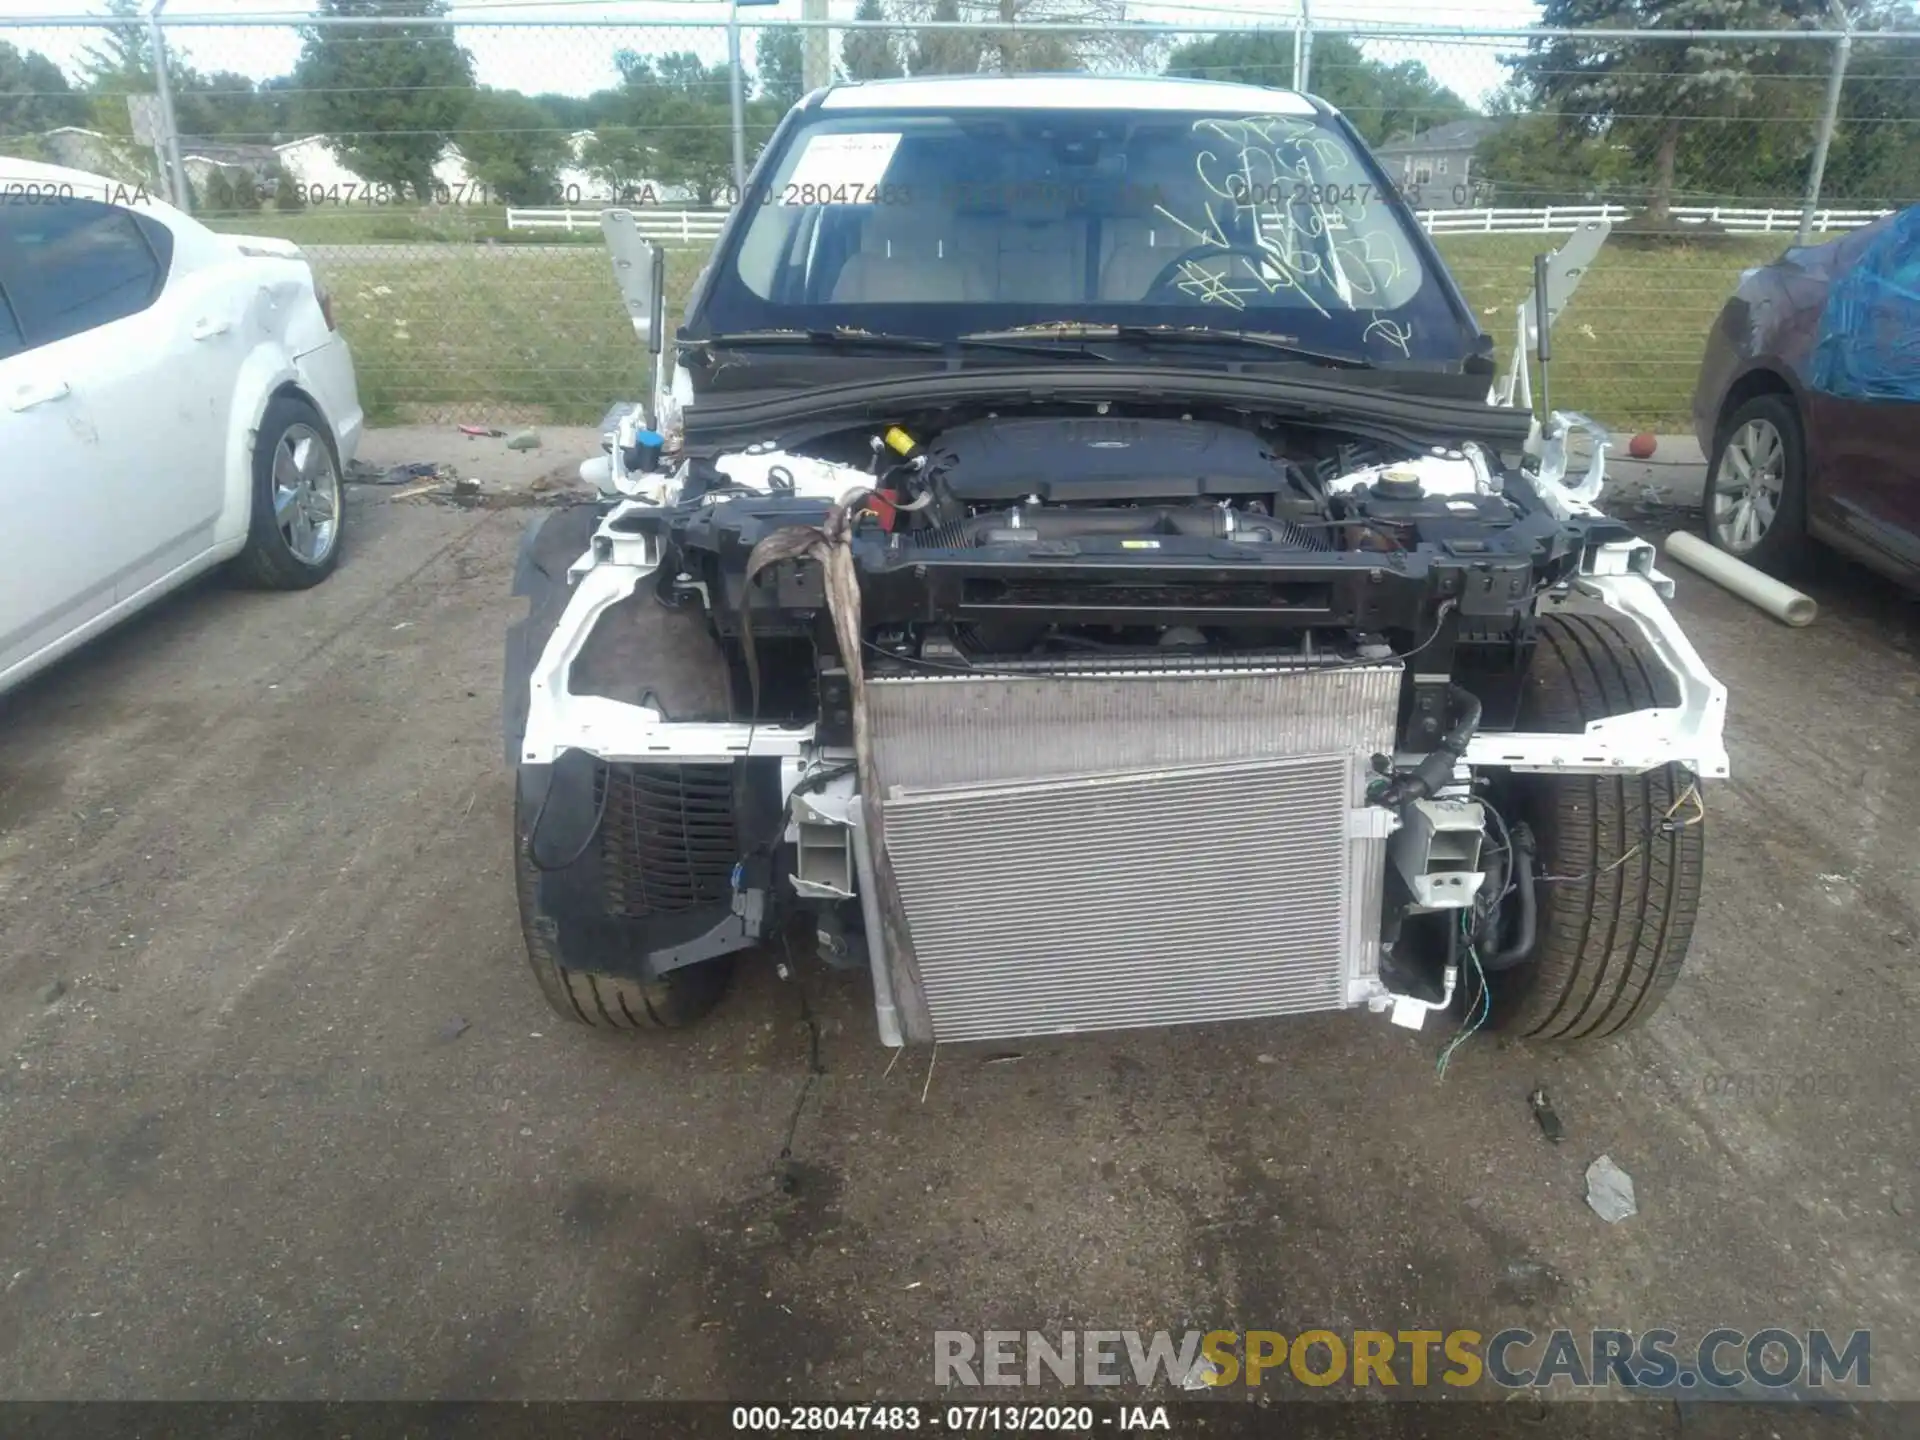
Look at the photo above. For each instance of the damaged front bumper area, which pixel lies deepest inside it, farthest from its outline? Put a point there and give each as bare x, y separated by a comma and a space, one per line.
1083, 847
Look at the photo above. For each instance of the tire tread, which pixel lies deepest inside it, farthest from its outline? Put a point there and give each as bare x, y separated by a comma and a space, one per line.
1612, 942
608, 1002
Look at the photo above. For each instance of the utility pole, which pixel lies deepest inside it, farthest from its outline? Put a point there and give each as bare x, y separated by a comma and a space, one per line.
173, 169
736, 95
1829, 115
816, 63
1303, 48
737, 85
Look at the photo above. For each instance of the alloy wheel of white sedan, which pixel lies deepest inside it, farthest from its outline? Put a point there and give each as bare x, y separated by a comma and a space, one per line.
306, 494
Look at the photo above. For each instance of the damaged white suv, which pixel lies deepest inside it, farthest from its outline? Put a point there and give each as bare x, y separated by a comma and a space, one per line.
1078, 567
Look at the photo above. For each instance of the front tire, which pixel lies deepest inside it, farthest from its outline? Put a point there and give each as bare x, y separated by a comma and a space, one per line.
1619, 856
609, 1002
294, 528
1757, 486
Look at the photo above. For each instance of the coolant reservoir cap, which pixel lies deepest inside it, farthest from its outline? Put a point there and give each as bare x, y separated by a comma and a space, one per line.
1401, 482
645, 454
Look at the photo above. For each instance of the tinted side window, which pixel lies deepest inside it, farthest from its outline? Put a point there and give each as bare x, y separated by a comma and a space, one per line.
70, 265
11, 342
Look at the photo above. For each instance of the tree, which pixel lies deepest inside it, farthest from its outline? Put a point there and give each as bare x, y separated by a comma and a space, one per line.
1383, 101
123, 60
229, 104
779, 65
1873, 160
615, 156
388, 98
871, 54
570, 112
680, 106
1533, 160
1644, 94
34, 95
996, 42
512, 147
945, 52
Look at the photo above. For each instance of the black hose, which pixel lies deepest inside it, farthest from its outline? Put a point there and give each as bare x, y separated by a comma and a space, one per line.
1434, 771
1520, 876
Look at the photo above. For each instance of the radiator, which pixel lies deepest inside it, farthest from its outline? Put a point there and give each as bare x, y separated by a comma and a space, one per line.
1104, 851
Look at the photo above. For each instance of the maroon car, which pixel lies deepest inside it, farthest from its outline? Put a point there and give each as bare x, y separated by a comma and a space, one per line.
1808, 404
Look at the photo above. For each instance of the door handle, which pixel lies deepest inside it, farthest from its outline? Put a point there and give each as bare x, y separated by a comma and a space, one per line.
207, 327
25, 397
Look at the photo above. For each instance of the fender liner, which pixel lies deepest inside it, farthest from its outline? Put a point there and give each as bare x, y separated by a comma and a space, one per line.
573, 897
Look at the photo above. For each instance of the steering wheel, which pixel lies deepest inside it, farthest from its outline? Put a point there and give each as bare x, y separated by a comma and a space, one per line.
1171, 270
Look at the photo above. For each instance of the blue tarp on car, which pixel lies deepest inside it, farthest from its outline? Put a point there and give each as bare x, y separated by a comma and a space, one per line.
1869, 345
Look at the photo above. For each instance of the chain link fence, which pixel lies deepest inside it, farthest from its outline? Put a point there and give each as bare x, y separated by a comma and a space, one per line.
445, 175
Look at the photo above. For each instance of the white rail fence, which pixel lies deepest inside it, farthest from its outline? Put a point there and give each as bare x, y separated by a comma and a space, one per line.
672, 227
1548, 219
691, 228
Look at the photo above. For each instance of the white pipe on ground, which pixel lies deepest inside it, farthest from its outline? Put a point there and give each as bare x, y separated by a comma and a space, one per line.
1783, 602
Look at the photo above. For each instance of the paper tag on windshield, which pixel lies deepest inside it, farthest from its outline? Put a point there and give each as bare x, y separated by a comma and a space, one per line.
854, 163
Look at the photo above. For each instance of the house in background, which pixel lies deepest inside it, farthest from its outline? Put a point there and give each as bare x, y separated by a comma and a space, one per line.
117, 157
1435, 167
222, 171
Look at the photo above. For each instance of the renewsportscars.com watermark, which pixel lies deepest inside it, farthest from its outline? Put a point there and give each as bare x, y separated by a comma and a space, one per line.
1722, 1359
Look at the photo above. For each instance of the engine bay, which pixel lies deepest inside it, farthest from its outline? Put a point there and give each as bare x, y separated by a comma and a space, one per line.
1158, 536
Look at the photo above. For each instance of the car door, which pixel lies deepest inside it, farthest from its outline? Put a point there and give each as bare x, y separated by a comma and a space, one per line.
1864, 446
116, 404
53, 579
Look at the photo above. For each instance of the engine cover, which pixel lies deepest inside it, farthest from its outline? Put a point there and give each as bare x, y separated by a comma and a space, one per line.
1086, 460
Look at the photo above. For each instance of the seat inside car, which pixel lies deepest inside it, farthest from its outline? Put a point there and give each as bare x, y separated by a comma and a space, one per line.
907, 254
1137, 242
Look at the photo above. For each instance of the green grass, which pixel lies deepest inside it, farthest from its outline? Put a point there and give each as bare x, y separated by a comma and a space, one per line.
1628, 347
363, 224
443, 330
475, 333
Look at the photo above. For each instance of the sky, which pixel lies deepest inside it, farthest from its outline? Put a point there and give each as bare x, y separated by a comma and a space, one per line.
570, 58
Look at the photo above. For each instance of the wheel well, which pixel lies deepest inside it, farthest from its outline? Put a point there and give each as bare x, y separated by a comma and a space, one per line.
1747, 387
290, 390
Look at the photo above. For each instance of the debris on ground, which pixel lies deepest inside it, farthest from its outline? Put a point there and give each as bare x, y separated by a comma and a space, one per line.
401, 474
1610, 1191
481, 431
1203, 1374
1545, 1115
445, 484
455, 1028
525, 440
53, 992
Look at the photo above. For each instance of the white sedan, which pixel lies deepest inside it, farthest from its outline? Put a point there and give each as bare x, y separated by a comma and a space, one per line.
170, 399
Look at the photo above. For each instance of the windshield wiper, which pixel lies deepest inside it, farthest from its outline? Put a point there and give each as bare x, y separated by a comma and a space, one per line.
839, 335
1148, 335
845, 337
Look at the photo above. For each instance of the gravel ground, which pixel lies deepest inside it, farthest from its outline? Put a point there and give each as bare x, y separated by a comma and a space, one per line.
283, 1113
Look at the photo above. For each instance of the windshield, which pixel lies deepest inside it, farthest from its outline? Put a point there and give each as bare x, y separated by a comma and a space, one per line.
957, 223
